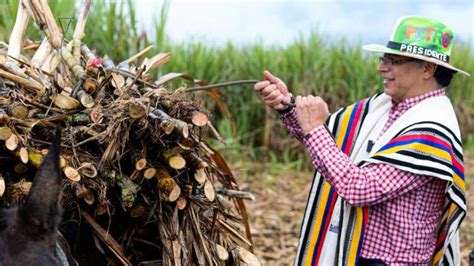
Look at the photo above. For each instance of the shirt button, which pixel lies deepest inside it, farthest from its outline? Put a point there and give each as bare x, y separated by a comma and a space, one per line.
325, 152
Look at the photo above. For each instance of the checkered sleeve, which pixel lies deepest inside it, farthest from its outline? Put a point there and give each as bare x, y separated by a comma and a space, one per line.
359, 186
291, 123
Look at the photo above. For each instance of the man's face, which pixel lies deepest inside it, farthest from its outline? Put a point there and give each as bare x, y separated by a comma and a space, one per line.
401, 76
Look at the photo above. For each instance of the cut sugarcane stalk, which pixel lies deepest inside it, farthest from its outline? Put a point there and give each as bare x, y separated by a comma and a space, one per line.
72, 174
23, 155
140, 164
12, 142
209, 191
5, 133
90, 85
200, 176
85, 99
19, 111
181, 203
248, 257
137, 211
2, 186
222, 253
20, 168
88, 170
136, 110
149, 173
199, 119
174, 158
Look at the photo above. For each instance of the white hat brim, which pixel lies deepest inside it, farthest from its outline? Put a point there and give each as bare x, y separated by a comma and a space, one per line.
383, 49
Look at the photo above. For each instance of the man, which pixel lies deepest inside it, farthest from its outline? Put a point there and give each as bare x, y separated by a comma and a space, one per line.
389, 186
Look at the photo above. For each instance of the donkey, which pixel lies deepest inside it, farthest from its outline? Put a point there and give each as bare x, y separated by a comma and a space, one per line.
28, 233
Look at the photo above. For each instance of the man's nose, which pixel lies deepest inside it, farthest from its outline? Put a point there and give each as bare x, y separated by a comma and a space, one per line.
381, 67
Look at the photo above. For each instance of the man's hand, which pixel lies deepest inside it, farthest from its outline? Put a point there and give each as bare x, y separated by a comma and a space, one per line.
273, 91
311, 112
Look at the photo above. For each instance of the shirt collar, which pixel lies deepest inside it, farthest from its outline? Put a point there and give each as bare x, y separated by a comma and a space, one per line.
410, 102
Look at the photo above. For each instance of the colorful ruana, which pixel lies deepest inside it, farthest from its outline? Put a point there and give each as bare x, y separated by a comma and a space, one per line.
425, 140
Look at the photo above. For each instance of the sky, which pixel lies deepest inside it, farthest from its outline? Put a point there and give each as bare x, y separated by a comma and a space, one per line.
279, 22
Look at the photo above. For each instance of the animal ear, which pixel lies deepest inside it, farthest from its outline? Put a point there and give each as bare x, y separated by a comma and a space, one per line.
41, 211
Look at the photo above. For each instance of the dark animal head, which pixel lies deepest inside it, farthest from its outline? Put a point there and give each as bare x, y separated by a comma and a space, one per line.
28, 233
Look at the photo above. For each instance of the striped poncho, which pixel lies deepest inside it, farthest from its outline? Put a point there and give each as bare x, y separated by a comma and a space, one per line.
425, 140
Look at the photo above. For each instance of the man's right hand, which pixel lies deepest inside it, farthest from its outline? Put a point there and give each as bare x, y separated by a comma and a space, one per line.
273, 91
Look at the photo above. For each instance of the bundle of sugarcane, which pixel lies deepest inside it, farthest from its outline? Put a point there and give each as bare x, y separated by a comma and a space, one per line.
143, 185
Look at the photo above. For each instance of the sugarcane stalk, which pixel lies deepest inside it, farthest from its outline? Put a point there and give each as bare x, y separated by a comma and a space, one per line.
180, 126
79, 30
42, 53
156, 61
137, 55
236, 193
87, 53
51, 62
41, 13
214, 132
72, 62
15, 69
18, 32
196, 161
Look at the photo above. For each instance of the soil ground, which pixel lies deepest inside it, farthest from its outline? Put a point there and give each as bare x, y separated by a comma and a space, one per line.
277, 213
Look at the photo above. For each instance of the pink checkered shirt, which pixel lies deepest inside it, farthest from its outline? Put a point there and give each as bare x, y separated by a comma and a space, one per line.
404, 208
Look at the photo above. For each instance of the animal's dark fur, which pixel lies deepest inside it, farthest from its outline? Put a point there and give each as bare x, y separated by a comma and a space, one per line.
28, 232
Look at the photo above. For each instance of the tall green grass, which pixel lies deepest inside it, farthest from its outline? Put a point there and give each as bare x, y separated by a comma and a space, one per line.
337, 70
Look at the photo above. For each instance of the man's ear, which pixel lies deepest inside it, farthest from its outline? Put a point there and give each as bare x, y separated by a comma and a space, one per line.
429, 69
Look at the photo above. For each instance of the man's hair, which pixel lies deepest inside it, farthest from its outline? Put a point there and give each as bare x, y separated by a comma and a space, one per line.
443, 75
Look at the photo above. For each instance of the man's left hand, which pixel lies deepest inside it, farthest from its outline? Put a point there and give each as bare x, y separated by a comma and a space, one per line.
311, 112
